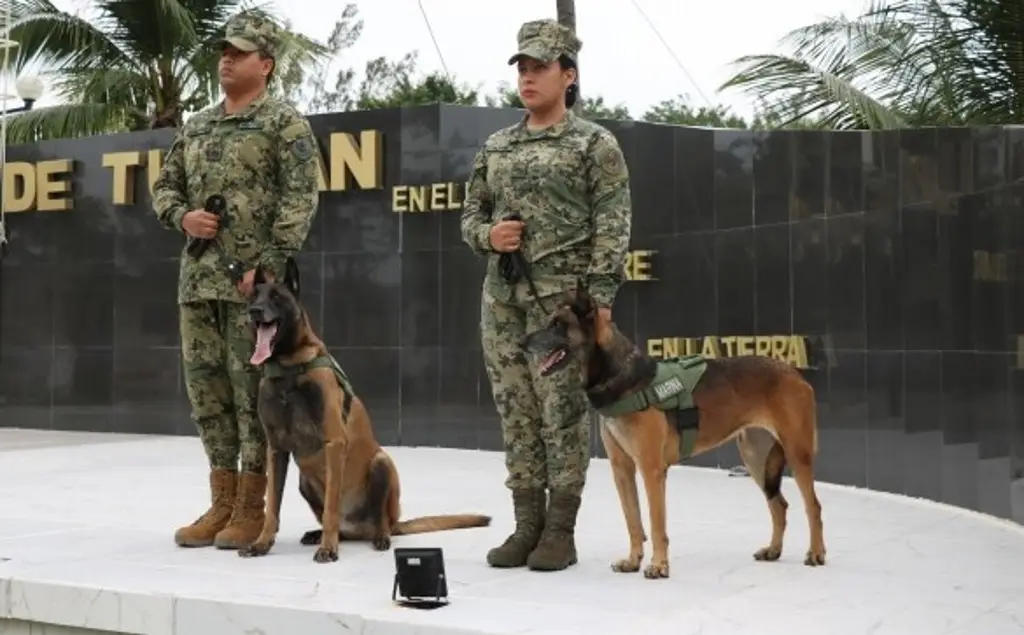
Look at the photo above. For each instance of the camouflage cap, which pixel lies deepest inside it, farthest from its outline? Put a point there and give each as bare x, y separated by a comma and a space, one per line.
545, 40
250, 32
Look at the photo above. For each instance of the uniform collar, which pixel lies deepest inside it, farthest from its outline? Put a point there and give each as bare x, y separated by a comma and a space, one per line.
554, 131
245, 113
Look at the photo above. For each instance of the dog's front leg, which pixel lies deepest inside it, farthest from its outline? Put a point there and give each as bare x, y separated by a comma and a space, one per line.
655, 474
624, 473
277, 473
335, 453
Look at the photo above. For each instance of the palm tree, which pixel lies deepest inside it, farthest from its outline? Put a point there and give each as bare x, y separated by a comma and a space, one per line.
908, 63
137, 64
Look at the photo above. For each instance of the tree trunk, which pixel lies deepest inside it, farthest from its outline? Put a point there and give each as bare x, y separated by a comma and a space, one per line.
566, 10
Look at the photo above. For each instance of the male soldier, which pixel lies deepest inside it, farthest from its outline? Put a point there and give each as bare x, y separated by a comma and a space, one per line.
259, 153
566, 180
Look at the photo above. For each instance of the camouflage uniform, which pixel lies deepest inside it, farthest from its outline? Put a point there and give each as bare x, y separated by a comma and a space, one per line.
263, 161
570, 185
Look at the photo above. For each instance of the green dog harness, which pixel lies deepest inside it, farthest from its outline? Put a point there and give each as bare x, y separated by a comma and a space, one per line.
671, 391
272, 369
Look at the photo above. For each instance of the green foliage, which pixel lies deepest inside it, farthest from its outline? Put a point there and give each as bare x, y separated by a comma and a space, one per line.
388, 84
677, 111
137, 65
904, 63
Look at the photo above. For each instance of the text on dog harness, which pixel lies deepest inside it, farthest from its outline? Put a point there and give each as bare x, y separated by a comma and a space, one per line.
671, 391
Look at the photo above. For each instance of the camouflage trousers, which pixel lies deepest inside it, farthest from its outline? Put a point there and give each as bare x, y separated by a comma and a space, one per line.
216, 344
545, 421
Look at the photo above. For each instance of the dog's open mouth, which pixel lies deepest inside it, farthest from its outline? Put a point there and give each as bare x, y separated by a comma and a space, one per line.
553, 361
265, 333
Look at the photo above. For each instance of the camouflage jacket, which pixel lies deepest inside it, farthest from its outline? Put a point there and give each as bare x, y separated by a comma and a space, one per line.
263, 160
570, 185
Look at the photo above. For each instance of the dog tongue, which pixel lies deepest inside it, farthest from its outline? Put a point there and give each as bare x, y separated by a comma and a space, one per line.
264, 335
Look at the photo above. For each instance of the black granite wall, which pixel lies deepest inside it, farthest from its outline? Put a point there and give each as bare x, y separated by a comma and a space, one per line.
893, 258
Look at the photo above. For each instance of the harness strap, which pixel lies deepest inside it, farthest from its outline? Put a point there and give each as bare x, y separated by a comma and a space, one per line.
273, 369
687, 441
671, 389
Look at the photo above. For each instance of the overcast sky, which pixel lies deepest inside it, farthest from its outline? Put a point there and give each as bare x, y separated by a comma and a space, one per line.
622, 59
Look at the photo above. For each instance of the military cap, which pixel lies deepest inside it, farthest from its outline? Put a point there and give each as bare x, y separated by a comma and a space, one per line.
545, 40
251, 32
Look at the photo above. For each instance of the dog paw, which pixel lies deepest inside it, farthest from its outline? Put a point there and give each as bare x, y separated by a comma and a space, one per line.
311, 537
656, 570
768, 554
255, 550
326, 554
815, 558
381, 542
626, 565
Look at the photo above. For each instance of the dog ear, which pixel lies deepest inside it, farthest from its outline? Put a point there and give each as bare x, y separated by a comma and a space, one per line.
291, 276
259, 276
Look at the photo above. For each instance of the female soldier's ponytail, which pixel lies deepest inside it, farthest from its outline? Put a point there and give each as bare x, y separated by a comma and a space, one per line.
572, 93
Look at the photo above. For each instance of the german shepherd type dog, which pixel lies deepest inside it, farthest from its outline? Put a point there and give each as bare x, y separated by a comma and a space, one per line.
309, 411
764, 403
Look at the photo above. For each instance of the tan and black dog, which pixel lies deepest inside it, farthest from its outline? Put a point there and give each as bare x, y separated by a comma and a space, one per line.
309, 411
656, 413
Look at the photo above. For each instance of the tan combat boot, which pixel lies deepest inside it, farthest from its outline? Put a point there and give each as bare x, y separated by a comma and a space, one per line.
247, 517
557, 547
222, 496
528, 507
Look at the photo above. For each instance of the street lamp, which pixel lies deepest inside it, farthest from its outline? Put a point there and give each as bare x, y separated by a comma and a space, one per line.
29, 88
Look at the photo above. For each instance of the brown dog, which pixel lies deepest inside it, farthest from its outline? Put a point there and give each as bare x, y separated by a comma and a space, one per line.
655, 414
309, 410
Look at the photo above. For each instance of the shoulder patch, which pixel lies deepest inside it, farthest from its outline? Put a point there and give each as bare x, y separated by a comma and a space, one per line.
302, 148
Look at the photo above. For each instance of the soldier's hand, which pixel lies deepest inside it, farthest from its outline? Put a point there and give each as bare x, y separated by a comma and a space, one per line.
200, 223
506, 235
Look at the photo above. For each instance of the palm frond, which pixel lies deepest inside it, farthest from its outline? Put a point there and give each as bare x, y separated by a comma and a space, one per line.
53, 38
65, 121
827, 93
945, 62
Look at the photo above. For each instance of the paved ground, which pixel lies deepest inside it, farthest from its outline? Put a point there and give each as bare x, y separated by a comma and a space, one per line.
86, 524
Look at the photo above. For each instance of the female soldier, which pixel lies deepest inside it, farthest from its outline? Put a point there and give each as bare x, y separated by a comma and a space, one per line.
565, 182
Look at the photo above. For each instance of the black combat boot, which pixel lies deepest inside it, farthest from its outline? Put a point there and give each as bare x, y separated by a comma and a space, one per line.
557, 547
529, 512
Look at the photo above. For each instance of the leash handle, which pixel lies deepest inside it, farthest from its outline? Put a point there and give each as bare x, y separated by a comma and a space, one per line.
215, 204
520, 263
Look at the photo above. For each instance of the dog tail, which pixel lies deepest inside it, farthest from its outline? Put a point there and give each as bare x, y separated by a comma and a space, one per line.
427, 524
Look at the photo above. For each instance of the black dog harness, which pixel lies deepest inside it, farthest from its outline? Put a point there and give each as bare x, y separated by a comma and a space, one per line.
272, 369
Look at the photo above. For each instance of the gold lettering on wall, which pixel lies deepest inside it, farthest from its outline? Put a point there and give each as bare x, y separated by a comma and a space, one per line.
353, 164
434, 197
363, 160
638, 265
125, 166
791, 349
991, 266
38, 186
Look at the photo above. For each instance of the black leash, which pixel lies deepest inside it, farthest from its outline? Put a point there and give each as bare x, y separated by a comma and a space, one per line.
513, 267
217, 205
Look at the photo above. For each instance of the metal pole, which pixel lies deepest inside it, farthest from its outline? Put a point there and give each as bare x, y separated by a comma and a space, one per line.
7, 45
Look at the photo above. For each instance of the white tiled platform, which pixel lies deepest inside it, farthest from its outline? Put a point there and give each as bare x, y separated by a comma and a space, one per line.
86, 523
